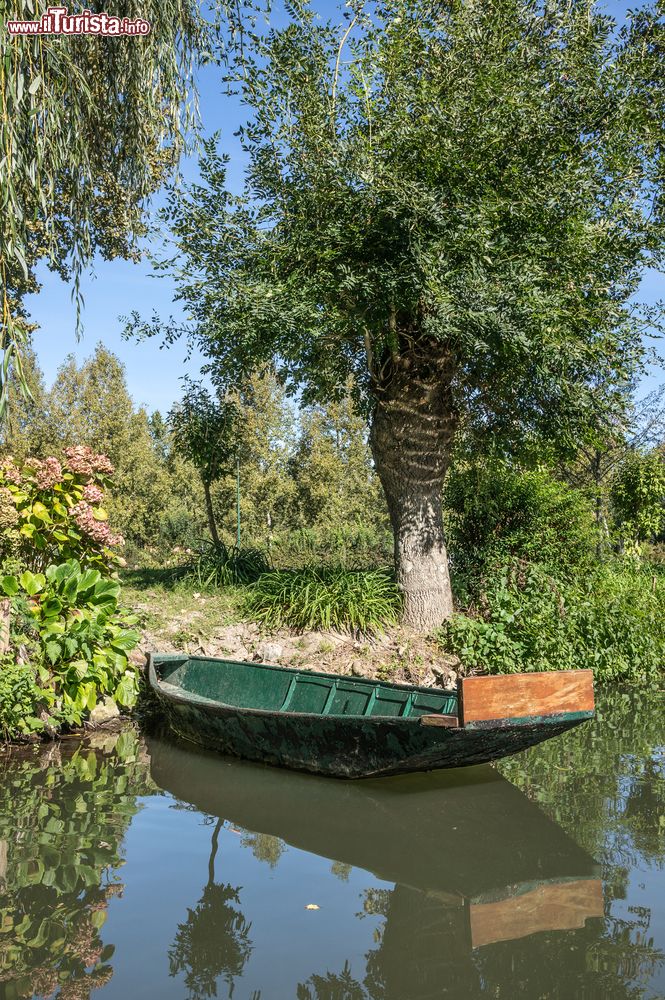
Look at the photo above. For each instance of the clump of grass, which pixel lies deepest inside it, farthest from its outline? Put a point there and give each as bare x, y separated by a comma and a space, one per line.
221, 566
325, 598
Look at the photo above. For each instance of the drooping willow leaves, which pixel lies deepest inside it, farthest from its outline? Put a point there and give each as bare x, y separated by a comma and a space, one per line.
90, 127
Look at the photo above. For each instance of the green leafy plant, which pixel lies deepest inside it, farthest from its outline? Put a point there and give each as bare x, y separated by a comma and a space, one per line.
84, 637
21, 698
611, 620
325, 598
638, 497
495, 511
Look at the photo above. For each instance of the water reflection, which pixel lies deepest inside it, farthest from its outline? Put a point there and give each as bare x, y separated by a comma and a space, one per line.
462, 885
63, 814
214, 941
474, 862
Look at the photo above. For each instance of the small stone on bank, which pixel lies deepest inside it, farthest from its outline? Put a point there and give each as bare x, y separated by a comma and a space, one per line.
104, 712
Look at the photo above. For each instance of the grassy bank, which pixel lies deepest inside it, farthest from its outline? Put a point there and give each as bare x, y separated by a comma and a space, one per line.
518, 616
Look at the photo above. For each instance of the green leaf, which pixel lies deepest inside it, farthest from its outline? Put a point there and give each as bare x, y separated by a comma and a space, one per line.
89, 579
40, 512
51, 607
80, 668
126, 640
9, 585
53, 651
126, 691
32, 583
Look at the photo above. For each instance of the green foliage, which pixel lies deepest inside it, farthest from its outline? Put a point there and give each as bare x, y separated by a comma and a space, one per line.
325, 598
57, 556
204, 431
351, 545
83, 637
90, 404
494, 510
154, 497
264, 443
611, 620
20, 698
479, 184
76, 169
218, 566
638, 497
333, 470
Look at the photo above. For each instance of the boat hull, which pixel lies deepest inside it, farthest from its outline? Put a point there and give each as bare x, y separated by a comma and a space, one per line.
349, 747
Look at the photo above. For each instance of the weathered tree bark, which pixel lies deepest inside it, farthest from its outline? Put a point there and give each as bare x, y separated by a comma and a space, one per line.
413, 426
212, 525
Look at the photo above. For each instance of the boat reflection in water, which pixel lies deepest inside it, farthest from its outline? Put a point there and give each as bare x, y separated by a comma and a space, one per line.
474, 862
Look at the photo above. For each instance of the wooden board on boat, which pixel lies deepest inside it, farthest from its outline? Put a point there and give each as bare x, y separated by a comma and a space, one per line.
513, 698
342, 726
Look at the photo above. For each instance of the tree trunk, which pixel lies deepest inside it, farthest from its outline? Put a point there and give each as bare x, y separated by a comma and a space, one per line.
212, 525
413, 426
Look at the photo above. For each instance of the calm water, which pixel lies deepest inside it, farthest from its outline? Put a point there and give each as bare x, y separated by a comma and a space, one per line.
150, 870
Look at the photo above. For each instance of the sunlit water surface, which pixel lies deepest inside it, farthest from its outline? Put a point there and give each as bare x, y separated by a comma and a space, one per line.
146, 869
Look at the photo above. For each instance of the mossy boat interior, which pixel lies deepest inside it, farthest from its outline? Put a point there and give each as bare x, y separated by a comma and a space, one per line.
350, 727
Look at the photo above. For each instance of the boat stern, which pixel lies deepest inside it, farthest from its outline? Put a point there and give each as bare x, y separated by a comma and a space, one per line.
508, 700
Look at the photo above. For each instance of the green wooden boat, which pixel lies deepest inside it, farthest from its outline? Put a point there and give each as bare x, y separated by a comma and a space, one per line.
349, 727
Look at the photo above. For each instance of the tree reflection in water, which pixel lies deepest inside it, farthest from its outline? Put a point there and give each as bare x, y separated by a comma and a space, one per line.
214, 941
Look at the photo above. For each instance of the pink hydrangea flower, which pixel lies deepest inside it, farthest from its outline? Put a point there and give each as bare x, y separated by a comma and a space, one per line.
10, 471
103, 464
87, 522
78, 459
83, 461
48, 473
93, 493
98, 531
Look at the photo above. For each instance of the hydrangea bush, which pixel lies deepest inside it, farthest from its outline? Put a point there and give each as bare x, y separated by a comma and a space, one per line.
51, 511
69, 637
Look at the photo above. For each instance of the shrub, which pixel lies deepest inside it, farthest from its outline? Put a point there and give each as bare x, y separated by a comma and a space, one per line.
52, 511
83, 638
21, 699
495, 511
69, 637
611, 619
638, 497
218, 566
325, 598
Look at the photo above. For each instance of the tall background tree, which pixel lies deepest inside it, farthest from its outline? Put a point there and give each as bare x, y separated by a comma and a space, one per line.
205, 432
452, 204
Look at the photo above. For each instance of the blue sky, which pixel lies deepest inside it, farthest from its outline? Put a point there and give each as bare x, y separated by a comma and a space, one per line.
115, 288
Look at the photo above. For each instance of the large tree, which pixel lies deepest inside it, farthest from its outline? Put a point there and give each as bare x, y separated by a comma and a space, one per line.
450, 202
